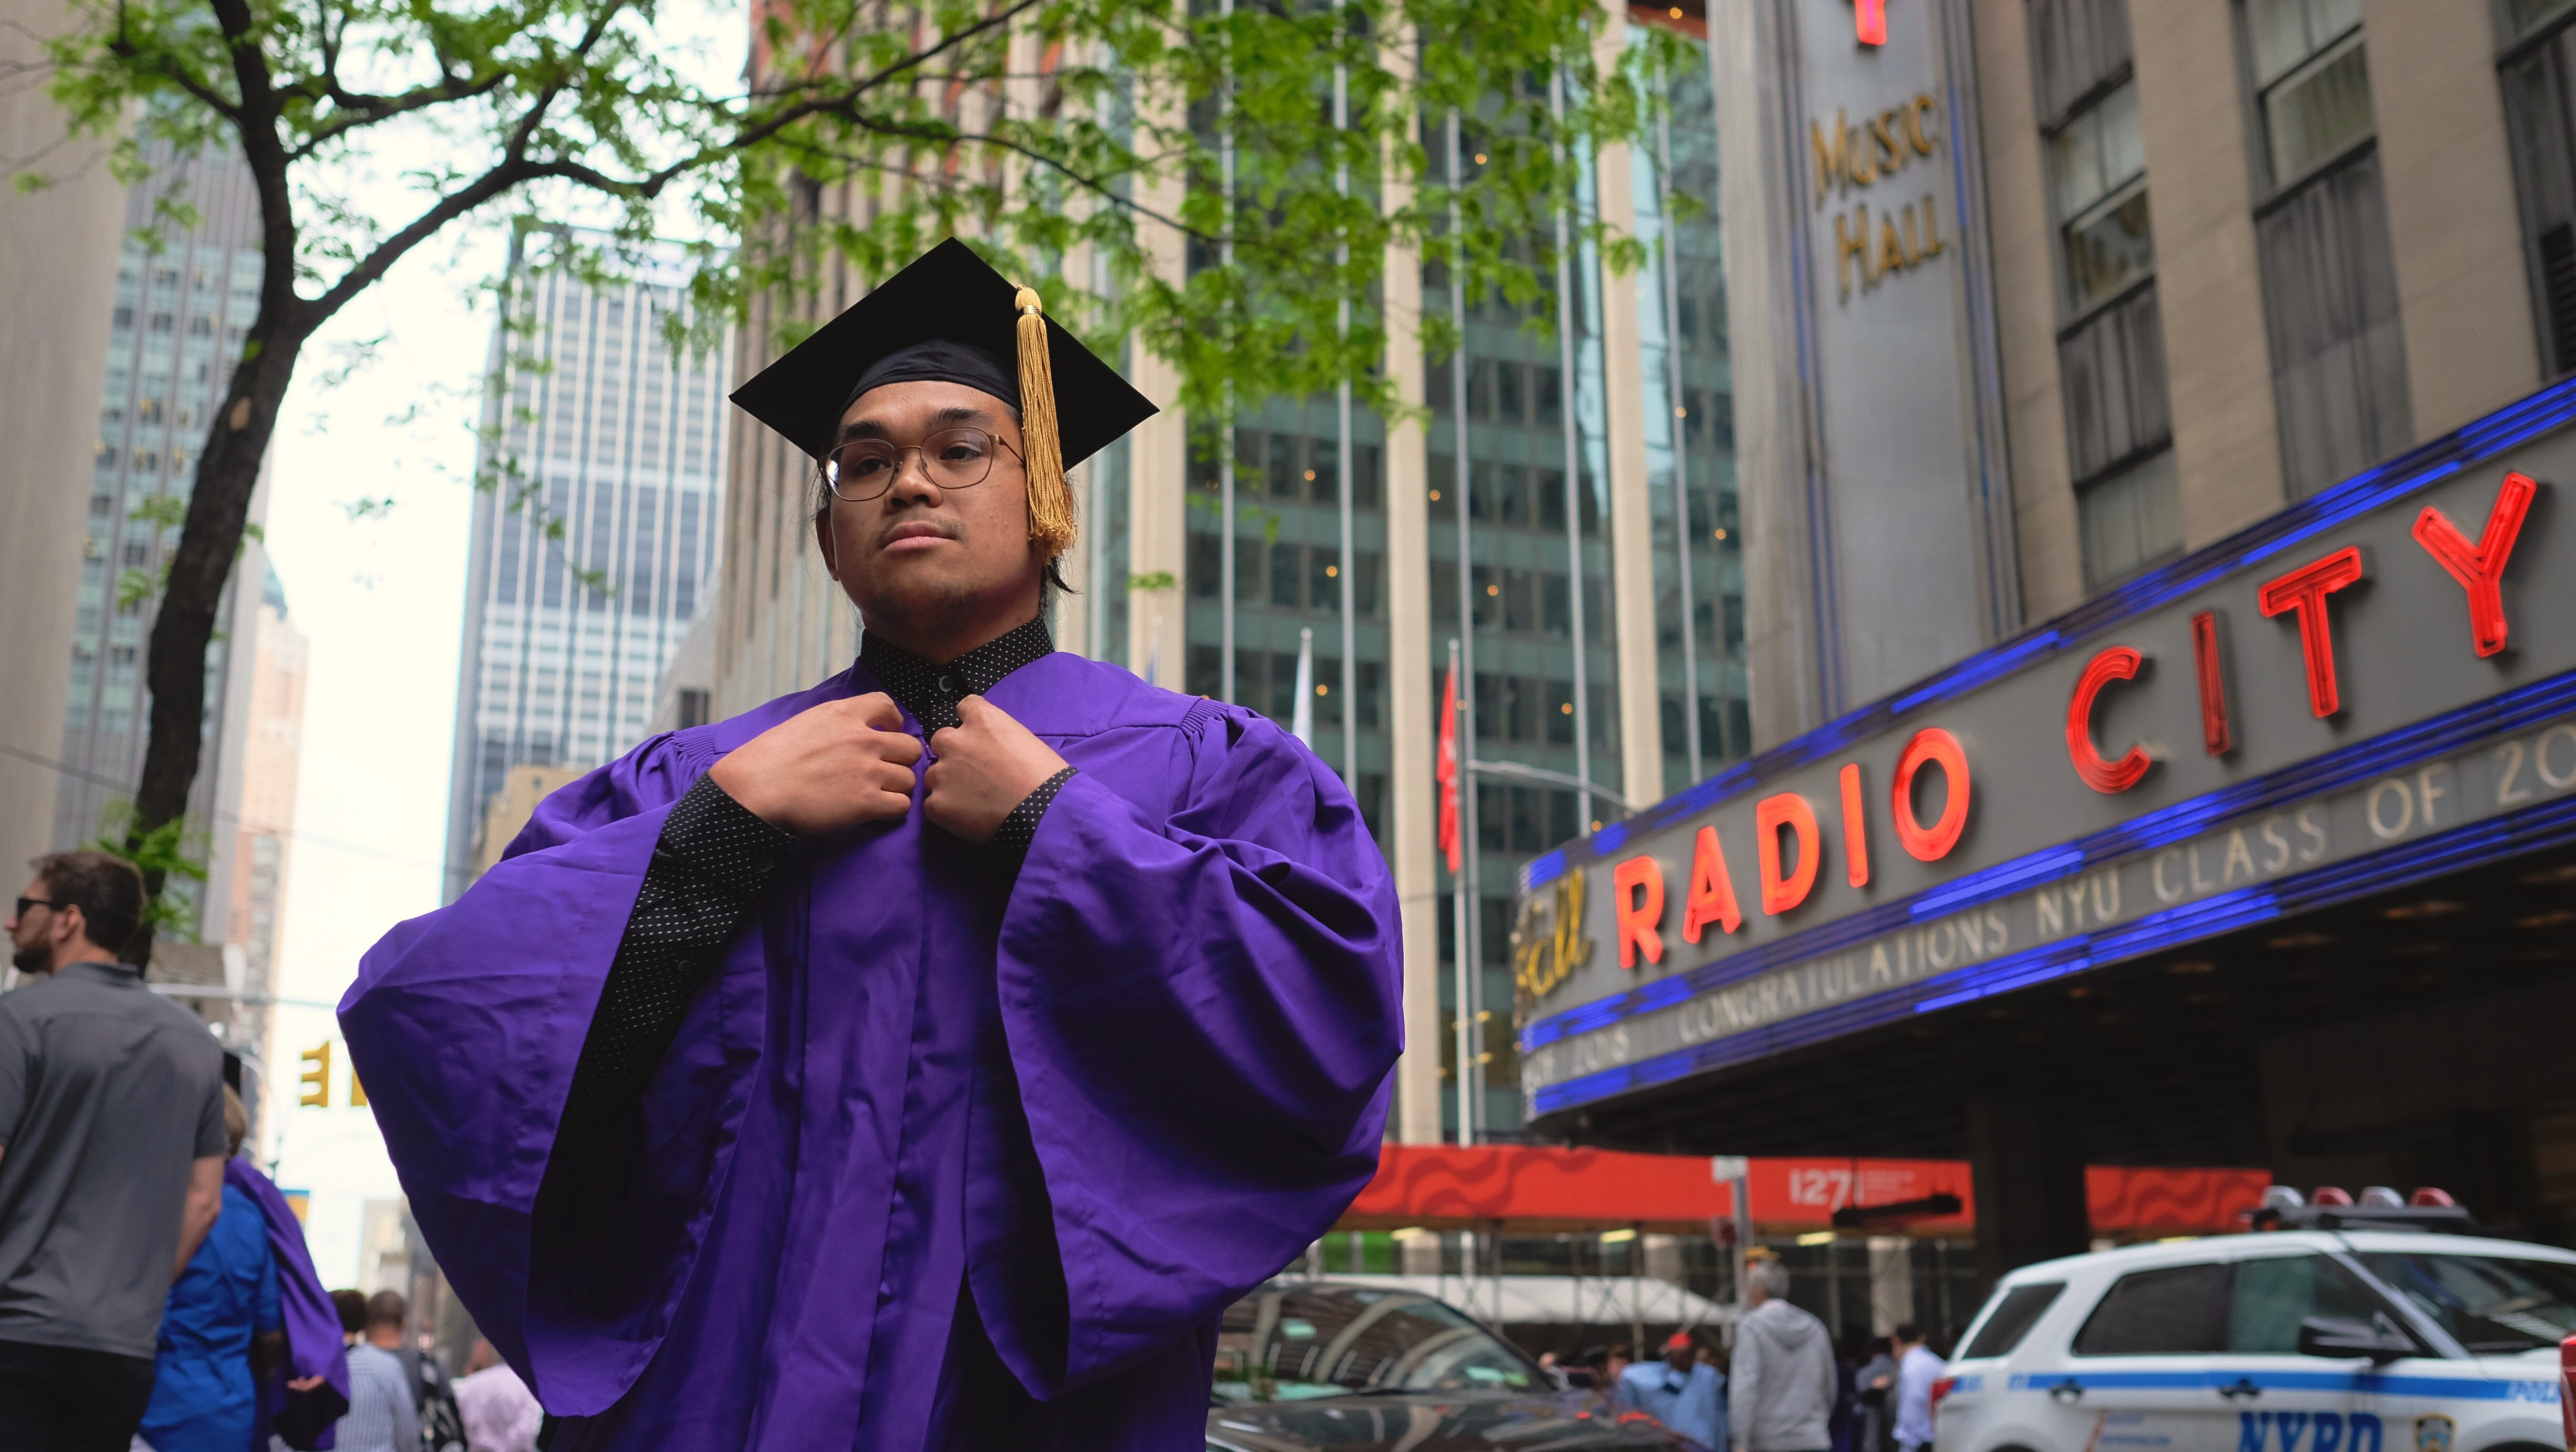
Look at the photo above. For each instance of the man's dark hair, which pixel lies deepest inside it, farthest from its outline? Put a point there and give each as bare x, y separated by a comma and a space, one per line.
107, 890
1905, 1331
386, 1308
352, 1306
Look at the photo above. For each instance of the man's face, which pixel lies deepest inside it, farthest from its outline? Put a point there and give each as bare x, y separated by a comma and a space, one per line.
918, 551
1680, 1358
32, 933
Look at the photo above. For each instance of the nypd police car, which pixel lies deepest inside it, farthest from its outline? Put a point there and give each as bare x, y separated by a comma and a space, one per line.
2308, 1340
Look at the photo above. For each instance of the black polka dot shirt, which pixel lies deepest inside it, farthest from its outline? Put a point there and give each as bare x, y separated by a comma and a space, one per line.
931, 692
712, 860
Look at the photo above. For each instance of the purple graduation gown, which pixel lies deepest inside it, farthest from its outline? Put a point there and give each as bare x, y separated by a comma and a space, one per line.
306, 1418
934, 1156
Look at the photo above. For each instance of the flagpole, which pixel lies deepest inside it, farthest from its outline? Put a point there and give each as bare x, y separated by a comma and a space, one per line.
1461, 784
1470, 843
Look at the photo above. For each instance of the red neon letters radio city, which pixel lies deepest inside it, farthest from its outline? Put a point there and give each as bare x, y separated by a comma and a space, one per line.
1785, 871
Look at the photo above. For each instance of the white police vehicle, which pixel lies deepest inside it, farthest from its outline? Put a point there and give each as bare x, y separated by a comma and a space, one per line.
2328, 1339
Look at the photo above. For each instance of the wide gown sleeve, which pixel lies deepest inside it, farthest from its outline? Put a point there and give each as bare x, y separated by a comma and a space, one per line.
467, 1024
1202, 1010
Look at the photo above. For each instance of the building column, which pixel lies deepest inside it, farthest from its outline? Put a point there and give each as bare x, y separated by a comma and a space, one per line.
2453, 220
1626, 392
1158, 481
2209, 288
1413, 813
1891, 1282
1782, 634
2026, 1162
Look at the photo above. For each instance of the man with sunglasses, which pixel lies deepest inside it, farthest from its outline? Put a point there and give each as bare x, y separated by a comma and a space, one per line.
112, 1149
927, 1059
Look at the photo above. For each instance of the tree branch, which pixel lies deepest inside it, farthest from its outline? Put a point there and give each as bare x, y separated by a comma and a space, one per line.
359, 111
844, 97
513, 170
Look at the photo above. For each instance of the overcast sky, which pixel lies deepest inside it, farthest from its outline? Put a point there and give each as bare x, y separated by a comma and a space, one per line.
381, 600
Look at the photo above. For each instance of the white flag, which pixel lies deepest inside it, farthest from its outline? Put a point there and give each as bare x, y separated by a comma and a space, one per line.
1301, 721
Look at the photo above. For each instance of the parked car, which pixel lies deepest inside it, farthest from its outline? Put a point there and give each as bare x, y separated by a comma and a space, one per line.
2326, 1340
1306, 1364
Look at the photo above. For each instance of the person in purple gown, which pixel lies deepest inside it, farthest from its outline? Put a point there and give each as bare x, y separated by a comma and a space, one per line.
925, 1059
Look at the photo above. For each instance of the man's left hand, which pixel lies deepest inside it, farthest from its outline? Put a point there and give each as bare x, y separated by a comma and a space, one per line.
985, 766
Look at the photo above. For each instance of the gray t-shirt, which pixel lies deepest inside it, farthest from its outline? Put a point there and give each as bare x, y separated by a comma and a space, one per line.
107, 1093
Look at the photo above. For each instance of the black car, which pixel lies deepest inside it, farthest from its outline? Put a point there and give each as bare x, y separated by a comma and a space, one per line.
1314, 1364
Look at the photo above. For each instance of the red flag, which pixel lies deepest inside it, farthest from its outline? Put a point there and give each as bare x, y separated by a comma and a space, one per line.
1448, 770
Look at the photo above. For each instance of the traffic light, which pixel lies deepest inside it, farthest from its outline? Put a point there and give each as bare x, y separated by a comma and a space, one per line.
317, 1076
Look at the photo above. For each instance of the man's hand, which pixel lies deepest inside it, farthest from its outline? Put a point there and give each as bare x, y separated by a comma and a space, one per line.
983, 768
839, 764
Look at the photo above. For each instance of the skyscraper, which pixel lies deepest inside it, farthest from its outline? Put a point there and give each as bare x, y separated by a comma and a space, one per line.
255, 805
57, 275
181, 308
594, 535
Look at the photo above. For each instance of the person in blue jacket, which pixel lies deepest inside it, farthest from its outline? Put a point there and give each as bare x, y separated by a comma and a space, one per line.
204, 1396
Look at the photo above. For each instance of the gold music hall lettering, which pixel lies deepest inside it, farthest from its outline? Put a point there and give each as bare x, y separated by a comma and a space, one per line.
1900, 238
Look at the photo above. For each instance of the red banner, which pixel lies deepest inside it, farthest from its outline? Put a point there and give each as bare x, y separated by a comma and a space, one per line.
1542, 1189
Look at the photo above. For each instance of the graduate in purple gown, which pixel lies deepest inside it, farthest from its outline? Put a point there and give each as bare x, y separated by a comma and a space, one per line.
790, 1086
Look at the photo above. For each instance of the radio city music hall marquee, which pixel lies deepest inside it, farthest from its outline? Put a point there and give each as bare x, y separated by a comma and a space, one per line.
2370, 688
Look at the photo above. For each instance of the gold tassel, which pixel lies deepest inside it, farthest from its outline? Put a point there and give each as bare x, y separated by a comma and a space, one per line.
1051, 524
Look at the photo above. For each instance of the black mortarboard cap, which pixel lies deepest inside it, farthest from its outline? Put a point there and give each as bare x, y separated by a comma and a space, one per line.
947, 295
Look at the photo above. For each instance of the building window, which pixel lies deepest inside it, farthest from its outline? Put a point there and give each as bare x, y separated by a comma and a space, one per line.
2110, 342
2321, 238
2100, 166
2312, 82
2540, 122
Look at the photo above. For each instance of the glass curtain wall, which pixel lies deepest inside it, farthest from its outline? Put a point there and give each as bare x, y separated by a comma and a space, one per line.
1689, 407
1278, 478
1534, 487
1287, 576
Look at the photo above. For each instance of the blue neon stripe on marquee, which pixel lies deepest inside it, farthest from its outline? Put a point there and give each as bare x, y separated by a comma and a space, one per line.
2393, 751
2533, 829
2466, 447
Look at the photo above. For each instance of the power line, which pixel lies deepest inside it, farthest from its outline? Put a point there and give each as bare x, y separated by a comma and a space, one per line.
314, 839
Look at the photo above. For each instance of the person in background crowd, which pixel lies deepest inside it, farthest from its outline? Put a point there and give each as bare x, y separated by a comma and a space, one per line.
1784, 1383
1876, 1392
1679, 1391
111, 1160
205, 1397
1547, 1362
431, 1396
352, 1306
302, 1395
1916, 1369
381, 1417
1614, 1366
500, 1413
1847, 1360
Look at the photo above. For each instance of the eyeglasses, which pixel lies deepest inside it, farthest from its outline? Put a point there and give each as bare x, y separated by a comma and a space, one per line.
25, 903
863, 469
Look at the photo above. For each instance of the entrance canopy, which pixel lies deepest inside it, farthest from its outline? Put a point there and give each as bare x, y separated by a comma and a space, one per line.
2094, 862
1526, 1189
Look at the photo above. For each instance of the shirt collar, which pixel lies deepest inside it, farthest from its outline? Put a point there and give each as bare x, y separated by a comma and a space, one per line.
96, 971
931, 692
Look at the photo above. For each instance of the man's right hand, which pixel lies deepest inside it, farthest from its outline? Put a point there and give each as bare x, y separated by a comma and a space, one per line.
839, 764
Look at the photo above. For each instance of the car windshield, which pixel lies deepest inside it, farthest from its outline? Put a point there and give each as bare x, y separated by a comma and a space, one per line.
1286, 1342
2488, 1303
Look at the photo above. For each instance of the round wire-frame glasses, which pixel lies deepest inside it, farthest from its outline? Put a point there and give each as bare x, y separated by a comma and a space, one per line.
864, 469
